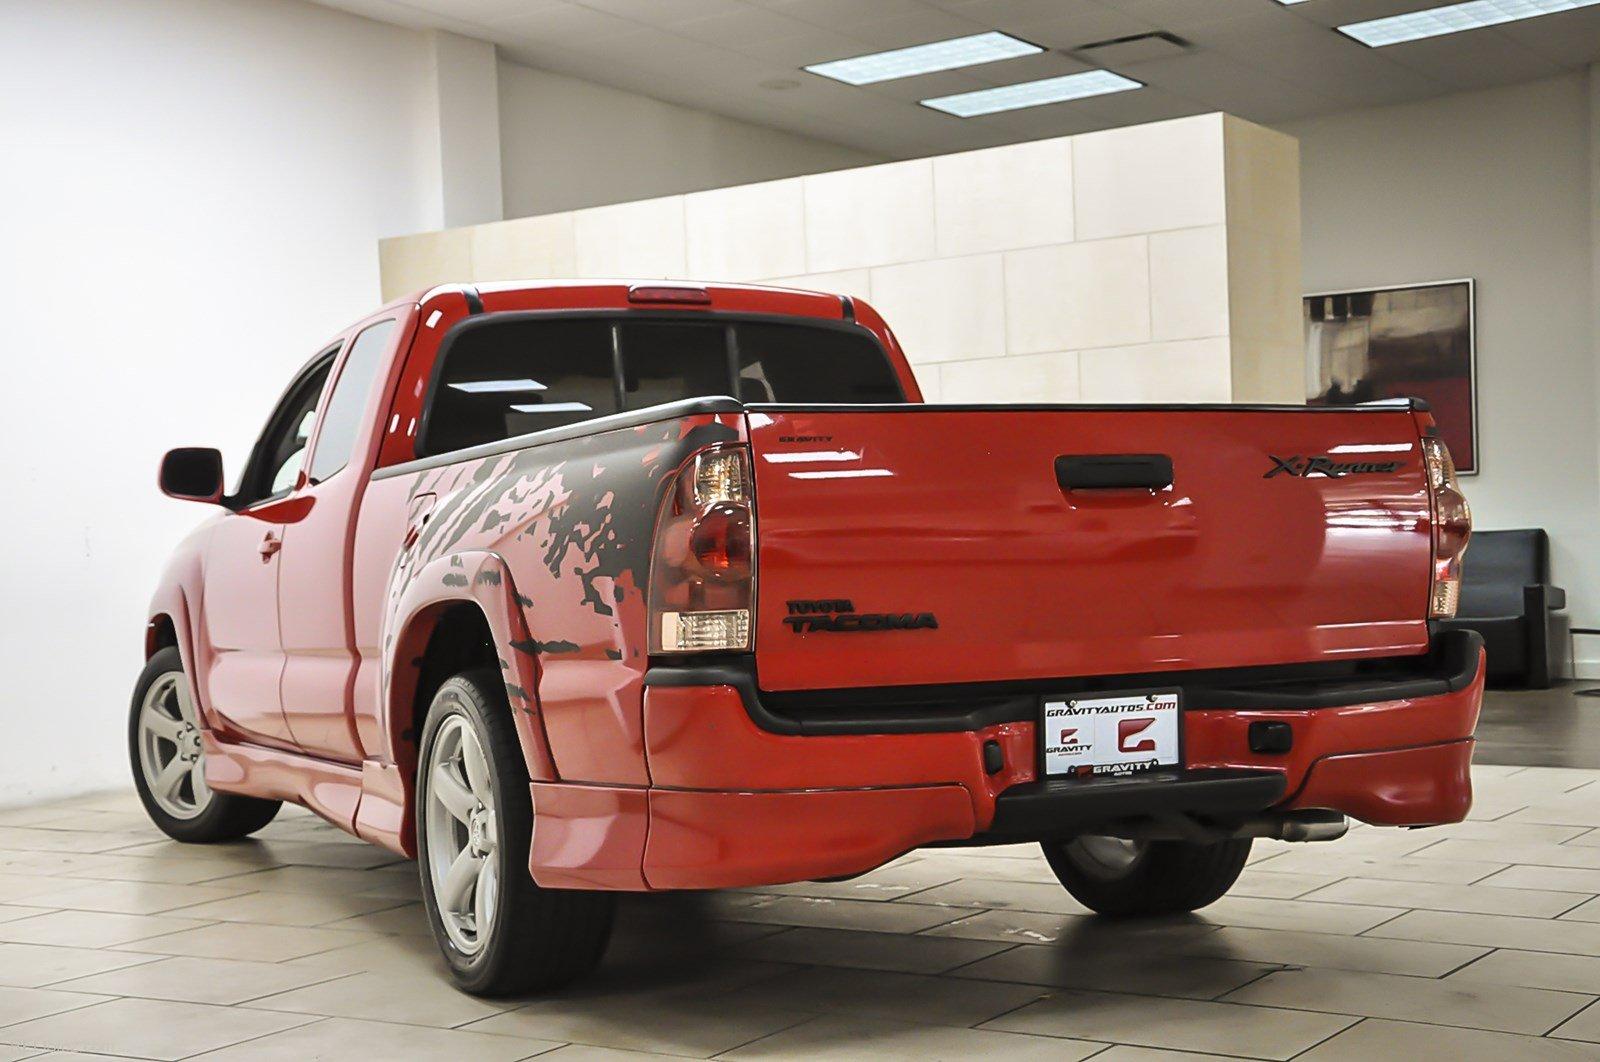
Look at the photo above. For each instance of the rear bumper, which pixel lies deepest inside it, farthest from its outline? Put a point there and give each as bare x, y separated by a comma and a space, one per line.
732, 802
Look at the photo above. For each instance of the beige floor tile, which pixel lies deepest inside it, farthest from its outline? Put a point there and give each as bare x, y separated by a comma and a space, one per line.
353, 854
31, 839
244, 940
1078, 931
1465, 1004
1332, 951
1538, 853
824, 913
889, 996
1561, 879
1179, 1024
15, 912
1585, 1026
91, 929
393, 954
289, 909
1327, 859
25, 1004
1044, 898
953, 865
20, 888
588, 1053
1535, 969
37, 965
1123, 1053
867, 951
1512, 829
1472, 899
1574, 813
8, 1053
1296, 914
672, 1025
1375, 1039
1140, 972
138, 897
149, 1028
1268, 884
886, 883
1589, 911
842, 1039
340, 1038
186, 980
406, 917
93, 867
324, 880
1493, 931
411, 1000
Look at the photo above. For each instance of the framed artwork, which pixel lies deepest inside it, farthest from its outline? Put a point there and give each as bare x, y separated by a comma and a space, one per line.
1411, 341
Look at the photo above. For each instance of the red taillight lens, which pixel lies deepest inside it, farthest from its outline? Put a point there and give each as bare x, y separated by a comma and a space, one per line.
1452, 528
702, 573
720, 541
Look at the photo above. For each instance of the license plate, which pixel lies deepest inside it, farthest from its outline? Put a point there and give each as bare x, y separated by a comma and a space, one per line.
1115, 733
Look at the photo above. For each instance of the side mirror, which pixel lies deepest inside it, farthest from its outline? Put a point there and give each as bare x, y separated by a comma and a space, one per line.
192, 473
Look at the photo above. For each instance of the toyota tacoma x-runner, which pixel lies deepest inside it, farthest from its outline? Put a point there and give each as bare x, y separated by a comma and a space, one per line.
565, 589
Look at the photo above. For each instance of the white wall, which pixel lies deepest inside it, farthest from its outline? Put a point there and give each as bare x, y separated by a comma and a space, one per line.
1499, 186
567, 143
190, 200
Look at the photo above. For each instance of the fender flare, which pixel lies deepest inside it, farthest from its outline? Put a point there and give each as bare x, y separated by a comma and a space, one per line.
480, 578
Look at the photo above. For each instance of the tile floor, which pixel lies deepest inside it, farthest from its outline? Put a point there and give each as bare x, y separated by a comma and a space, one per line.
1477, 941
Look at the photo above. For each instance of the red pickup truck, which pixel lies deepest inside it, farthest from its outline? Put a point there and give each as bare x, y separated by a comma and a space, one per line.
565, 589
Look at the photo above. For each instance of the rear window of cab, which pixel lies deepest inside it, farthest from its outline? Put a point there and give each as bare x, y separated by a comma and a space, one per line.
498, 379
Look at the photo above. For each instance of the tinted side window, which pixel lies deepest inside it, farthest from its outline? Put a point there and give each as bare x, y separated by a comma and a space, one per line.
342, 420
520, 377
281, 451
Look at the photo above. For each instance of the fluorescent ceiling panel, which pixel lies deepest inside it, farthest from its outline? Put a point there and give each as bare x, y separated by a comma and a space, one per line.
1033, 93
1456, 18
925, 58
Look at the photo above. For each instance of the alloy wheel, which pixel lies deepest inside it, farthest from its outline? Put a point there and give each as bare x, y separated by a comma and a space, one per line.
170, 754
462, 835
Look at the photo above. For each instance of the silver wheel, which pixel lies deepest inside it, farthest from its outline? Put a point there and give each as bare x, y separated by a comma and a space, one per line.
1108, 858
463, 836
170, 753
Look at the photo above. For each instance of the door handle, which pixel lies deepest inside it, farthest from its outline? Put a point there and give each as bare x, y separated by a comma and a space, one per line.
270, 545
1113, 471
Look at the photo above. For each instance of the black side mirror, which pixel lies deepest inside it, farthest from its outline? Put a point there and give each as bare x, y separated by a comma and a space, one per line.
192, 473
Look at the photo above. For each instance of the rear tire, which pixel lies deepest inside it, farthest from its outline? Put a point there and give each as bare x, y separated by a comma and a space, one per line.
500, 932
169, 766
1127, 879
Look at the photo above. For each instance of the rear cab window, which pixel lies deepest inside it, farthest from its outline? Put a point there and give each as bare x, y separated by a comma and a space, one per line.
497, 379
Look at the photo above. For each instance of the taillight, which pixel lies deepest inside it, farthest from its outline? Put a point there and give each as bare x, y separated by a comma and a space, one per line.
1452, 528
702, 572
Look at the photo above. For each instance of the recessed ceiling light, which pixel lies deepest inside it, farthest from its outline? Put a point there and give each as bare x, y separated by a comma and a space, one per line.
1456, 18
925, 58
1033, 93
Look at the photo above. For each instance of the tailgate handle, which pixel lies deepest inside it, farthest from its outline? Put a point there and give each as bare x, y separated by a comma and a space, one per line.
1113, 471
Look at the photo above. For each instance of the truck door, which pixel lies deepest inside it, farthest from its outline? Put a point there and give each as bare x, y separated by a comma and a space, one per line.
242, 662
314, 580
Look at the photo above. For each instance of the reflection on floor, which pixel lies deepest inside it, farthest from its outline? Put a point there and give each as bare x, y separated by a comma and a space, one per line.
1554, 727
1477, 941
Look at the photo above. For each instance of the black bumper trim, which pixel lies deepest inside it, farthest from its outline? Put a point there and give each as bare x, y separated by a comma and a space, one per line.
1062, 807
1450, 665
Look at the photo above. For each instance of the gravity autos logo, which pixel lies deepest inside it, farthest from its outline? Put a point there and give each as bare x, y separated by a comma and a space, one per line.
1323, 465
840, 616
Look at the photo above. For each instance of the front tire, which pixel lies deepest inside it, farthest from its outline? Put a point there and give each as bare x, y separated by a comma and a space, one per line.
500, 932
169, 763
1128, 879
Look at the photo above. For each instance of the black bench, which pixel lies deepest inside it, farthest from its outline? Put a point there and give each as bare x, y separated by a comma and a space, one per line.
1506, 596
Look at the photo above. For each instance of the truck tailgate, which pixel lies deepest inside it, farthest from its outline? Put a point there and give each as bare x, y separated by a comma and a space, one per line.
920, 545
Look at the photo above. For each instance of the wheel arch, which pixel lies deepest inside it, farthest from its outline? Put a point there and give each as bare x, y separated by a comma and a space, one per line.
460, 612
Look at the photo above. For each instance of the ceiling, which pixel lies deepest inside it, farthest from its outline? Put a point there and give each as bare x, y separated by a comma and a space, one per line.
1257, 59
